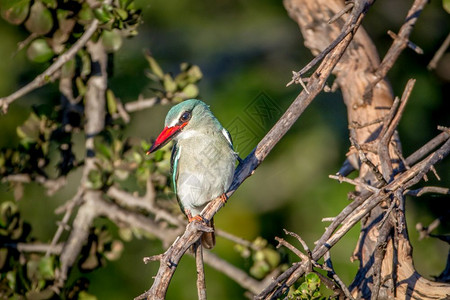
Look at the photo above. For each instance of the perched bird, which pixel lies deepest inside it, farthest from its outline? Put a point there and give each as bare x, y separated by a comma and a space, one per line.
203, 159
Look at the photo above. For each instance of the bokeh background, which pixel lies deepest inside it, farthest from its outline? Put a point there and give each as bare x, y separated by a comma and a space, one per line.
247, 50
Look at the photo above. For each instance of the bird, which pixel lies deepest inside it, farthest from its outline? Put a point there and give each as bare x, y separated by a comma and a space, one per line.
203, 159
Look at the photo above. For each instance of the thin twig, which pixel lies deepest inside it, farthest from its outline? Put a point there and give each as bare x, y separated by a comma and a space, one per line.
387, 213
351, 25
359, 126
61, 225
302, 242
410, 44
28, 247
354, 182
148, 259
126, 199
283, 242
438, 55
235, 239
388, 130
143, 103
201, 286
428, 189
425, 149
364, 159
330, 269
328, 219
379, 254
343, 11
239, 276
398, 45
424, 231
42, 79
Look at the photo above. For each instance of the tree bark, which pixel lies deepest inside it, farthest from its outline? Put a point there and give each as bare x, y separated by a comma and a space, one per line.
386, 268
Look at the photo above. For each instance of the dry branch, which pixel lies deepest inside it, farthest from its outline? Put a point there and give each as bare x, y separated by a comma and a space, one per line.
43, 78
315, 84
357, 66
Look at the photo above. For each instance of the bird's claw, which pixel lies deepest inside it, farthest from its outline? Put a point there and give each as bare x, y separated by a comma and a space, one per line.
224, 198
197, 218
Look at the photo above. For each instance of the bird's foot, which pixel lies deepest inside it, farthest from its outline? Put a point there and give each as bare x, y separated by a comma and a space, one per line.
224, 198
194, 218
197, 218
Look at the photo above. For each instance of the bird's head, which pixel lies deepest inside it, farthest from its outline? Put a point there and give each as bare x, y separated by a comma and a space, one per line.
184, 116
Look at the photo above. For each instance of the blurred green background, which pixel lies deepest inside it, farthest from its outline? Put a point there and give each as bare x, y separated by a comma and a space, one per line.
247, 50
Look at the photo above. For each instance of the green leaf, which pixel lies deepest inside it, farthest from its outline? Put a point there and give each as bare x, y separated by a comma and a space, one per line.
104, 150
145, 146
446, 5
85, 14
103, 14
259, 242
40, 20
312, 278
169, 84
111, 102
46, 267
29, 131
7, 210
272, 257
111, 40
194, 73
14, 11
68, 69
159, 155
125, 234
190, 91
11, 279
83, 295
154, 66
122, 13
258, 256
81, 87
85, 64
95, 179
39, 51
304, 288
259, 269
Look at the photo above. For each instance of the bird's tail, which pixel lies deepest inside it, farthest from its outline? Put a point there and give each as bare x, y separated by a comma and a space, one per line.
208, 239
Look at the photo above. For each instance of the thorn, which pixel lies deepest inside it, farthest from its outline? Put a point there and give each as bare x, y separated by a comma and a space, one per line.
410, 44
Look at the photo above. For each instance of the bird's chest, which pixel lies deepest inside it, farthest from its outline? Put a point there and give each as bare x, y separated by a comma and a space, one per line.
205, 169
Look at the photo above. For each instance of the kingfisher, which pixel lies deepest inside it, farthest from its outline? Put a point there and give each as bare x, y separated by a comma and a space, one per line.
203, 159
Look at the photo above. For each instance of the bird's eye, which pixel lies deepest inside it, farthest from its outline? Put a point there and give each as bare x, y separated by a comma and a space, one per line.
186, 116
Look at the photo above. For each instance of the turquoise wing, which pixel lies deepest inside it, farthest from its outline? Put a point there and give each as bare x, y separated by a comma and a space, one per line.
174, 158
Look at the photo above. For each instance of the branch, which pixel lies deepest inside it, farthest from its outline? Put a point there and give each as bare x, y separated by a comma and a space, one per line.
247, 168
201, 286
42, 79
388, 130
349, 216
95, 121
438, 55
428, 189
400, 43
351, 25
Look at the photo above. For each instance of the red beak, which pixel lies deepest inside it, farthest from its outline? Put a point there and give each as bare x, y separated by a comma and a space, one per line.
165, 136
